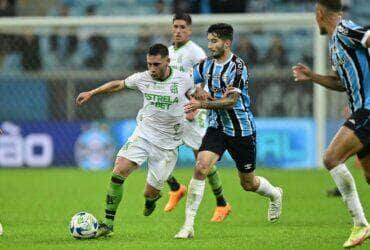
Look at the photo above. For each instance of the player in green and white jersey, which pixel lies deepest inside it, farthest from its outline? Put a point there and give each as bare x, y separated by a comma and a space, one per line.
157, 135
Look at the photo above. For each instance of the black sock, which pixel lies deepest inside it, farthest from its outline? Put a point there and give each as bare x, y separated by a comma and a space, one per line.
173, 183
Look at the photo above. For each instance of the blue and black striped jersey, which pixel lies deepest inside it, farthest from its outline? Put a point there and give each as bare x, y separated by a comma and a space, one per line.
351, 60
239, 120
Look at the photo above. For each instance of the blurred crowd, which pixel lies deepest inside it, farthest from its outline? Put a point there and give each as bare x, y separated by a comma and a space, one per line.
89, 49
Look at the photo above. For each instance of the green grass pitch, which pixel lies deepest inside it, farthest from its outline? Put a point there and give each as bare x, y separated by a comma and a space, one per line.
36, 206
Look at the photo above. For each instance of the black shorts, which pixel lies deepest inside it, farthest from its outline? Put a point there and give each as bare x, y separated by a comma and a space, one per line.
359, 122
242, 149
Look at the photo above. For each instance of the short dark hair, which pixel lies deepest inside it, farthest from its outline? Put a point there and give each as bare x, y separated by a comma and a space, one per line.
182, 16
158, 49
331, 5
223, 31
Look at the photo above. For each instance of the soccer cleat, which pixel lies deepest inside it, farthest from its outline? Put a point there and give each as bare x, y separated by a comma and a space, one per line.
104, 230
357, 237
275, 207
150, 205
185, 233
175, 197
221, 213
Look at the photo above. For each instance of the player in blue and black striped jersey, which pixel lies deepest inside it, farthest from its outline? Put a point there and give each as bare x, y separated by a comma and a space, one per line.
350, 58
230, 124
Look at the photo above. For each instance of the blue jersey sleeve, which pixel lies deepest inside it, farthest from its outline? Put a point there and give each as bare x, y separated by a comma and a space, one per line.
198, 73
351, 34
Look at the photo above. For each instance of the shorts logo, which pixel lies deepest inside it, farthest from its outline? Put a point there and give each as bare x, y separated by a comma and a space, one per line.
248, 166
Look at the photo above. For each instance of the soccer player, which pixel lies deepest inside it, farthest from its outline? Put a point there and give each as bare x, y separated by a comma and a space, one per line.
350, 59
184, 54
157, 135
230, 125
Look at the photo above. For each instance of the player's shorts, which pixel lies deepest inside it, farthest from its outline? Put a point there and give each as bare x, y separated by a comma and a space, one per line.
359, 122
161, 162
242, 149
193, 134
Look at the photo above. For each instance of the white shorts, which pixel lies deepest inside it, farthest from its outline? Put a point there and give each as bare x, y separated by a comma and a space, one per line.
195, 130
161, 162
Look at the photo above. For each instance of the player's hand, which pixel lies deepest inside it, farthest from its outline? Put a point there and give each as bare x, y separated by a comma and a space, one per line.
230, 89
190, 116
192, 105
83, 97
302, 73
201, 94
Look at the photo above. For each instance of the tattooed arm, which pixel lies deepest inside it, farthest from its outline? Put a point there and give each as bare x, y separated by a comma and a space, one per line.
226, 102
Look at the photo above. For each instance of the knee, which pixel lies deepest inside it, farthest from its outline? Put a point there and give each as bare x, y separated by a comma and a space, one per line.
123, 167
248, 185
330, 160
201, 169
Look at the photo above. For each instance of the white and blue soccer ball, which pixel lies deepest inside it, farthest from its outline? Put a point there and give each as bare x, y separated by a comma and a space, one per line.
83, 226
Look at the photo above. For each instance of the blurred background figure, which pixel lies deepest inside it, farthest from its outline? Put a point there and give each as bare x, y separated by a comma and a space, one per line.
247, 51
64, 43
276, 54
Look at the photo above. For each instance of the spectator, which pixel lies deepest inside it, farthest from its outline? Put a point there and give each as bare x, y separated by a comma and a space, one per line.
98, 46
228, 6
276, 54
159, 7
29, 48
64, 45
180, 6
140, 51
7, 7
247, 51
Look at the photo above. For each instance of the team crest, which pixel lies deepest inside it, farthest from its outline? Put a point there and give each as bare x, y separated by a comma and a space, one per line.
174, 88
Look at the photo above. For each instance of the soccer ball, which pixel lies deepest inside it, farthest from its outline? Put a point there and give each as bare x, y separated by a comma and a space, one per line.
1, 229
83, 226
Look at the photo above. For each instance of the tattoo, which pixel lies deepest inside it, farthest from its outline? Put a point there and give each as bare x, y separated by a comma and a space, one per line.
223, 103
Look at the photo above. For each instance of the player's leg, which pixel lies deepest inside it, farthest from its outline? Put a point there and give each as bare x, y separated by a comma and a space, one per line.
161, 163
122, 169
205, 161
243, 152
364, 161
129, 158
223, 209
345, 144
260, 185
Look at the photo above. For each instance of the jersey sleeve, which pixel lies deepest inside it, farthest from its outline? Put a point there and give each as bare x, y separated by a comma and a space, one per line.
352, 35
189, 85
198, 77
132, 81
238, 75
198, 55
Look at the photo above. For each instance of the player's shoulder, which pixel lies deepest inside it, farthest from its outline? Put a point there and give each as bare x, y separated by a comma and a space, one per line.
143, 75
194, 46
345, 26
238, 62
179, 74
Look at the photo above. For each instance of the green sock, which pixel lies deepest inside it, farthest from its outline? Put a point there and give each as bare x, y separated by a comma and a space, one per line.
216, 185
114, 197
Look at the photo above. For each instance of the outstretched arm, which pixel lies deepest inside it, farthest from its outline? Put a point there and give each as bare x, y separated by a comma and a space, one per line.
227, 102
111, 86
302, 73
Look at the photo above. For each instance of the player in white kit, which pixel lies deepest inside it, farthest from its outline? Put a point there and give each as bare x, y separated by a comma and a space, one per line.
157, 135
184, 54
